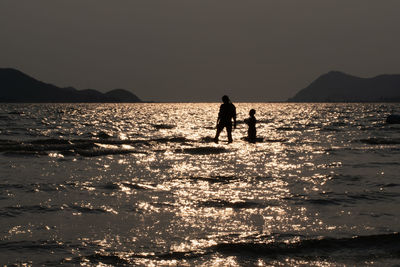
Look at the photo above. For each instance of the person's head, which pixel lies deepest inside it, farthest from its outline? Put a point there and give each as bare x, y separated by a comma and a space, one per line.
225, 99
252, 112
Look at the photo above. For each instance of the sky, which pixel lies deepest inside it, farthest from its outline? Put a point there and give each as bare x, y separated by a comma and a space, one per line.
199, 50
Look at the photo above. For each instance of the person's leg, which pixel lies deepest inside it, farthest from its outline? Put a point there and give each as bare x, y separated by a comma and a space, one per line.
229, 132
219, 130
252, 135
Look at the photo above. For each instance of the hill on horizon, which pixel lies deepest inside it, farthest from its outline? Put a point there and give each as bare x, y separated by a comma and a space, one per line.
336, 86
18, 87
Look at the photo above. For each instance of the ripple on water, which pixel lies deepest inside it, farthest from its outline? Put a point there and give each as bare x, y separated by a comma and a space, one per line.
207, 150
220, 203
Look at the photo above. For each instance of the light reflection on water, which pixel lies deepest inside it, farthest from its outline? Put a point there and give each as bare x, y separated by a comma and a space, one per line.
144, 184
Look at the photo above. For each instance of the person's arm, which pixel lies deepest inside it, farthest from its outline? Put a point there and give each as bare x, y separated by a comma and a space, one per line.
234, 117
219, 116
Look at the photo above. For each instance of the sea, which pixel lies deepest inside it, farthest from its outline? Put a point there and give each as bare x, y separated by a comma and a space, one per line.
145, 185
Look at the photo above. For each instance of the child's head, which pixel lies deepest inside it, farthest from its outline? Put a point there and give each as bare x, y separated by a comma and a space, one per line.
252, 112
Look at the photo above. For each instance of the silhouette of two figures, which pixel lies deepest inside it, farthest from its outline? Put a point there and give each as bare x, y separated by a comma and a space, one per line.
227, 114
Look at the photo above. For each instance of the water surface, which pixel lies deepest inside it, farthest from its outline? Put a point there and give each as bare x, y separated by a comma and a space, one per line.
143, 184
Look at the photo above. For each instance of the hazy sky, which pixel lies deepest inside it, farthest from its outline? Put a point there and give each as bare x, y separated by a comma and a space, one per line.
198, 50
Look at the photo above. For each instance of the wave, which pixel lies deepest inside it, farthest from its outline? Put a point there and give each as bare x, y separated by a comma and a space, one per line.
34, 187
318, 246
348, 249
387, 245
14, 211
220, 203
102, 152
163, 126
102, 135
381, 141
214, 179
25, 153
354, 249
98, 258
87, 209
330, 201
11, 186
207, 139
97, 147
16, 113
206, 150
136, 186
44, 145
275, 140
283, 128
85, 147
170, 140
391, 185
346, 198
5, 118
45, 245
346, 177
375, 164
330, 129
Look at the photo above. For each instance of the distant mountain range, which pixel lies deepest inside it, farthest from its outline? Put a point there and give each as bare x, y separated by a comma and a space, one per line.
337, 86
16, 86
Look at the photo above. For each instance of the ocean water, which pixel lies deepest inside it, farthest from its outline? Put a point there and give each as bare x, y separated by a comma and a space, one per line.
144, 184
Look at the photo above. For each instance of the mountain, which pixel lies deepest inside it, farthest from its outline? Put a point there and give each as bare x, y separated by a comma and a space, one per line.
337, 86
122, 94
16, 86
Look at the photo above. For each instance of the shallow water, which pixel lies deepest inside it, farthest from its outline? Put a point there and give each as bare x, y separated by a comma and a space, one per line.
143, 184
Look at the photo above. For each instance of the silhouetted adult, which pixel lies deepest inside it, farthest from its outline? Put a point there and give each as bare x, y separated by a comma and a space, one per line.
227, 112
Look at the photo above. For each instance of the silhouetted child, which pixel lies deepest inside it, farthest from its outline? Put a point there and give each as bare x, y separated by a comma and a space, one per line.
251, 122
